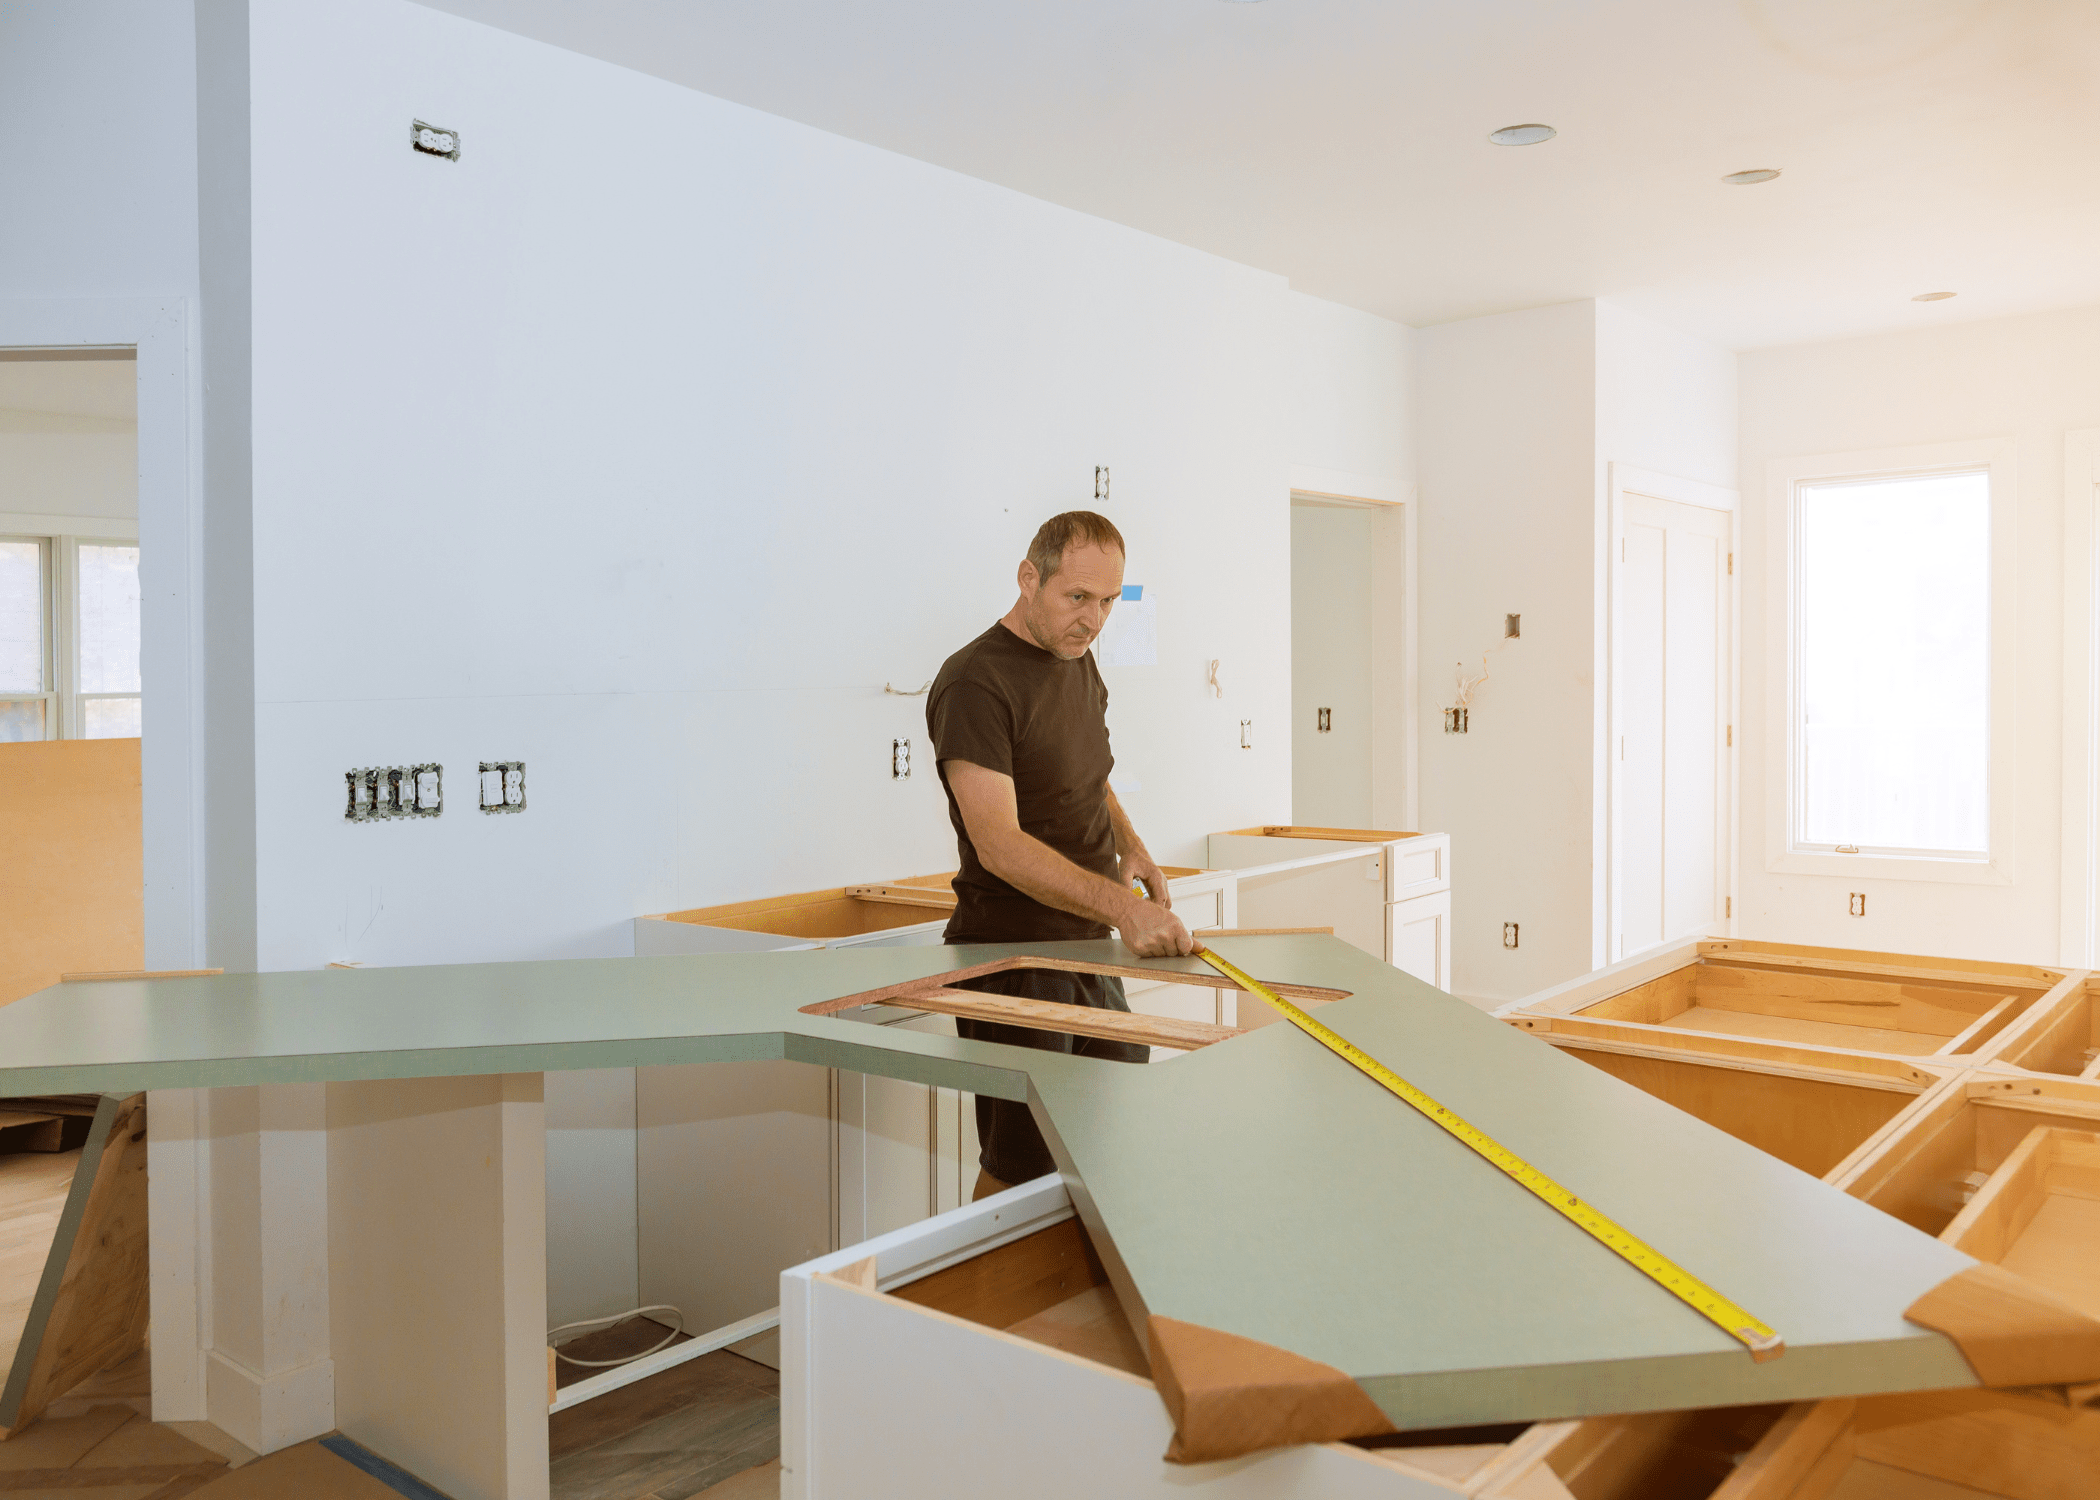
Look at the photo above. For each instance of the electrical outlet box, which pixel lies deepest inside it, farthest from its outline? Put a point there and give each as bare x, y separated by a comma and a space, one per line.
1326, 721
900, 760
1859, 903
1509, 934
502, 786
434, 140
376, 793
1246, 734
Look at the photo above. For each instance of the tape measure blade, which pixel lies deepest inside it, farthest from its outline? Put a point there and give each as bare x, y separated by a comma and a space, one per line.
1762, 1341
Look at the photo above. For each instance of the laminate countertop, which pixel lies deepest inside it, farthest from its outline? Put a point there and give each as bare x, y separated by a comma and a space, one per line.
1260, 1185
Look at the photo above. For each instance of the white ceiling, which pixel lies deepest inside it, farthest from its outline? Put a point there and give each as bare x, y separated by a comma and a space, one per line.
68, 386
1927, 145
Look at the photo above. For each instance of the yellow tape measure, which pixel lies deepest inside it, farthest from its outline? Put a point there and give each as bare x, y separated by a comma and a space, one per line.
1762, 1342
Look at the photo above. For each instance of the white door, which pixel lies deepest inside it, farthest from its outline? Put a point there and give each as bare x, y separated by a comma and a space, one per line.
1671, 671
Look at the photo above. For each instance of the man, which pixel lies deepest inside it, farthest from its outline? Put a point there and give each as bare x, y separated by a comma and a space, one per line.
1019, 725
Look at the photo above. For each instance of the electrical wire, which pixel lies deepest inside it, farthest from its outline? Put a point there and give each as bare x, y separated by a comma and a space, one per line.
632, 1312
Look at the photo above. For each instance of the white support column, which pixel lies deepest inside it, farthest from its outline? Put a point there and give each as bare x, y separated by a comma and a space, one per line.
268, 1379
438, 1278
179, 1251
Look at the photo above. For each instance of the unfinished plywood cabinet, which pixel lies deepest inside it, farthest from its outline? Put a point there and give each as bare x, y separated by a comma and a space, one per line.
1386, 891
2060, 1036
1937, 1011
1939, 1445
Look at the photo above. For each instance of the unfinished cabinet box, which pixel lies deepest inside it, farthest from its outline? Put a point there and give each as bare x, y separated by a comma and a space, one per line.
2060, 1036
2019, 1151
1385, 891
983, 1350
894, 913
1939, 1010
1816, 1118
1937, 1445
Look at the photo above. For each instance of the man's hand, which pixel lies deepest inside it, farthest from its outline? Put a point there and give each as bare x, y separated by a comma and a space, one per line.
1152, 931
1138, 865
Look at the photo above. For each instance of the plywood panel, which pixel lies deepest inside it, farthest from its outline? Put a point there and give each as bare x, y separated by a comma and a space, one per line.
1652, 1003
72, 875
90, 1307
1807, 1122
1849, 1000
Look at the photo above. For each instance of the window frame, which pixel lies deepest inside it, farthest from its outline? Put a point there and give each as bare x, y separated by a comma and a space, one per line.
1785, 479
65, 711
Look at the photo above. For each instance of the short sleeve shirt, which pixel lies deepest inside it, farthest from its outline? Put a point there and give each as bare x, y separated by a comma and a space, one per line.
1008, 705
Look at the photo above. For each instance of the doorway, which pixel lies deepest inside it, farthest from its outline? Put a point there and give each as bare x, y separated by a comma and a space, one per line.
1332, 584
1672, 693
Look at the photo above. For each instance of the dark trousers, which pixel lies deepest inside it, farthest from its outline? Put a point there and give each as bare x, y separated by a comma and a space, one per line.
1009, 1145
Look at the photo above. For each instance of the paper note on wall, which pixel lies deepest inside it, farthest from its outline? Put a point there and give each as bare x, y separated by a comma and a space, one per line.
1131, 636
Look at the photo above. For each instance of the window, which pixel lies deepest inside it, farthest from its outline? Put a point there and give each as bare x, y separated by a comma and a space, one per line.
1897, 609
69, 638
1894, 641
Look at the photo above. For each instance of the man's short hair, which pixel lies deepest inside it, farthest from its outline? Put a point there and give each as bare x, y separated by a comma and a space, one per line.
1074, 528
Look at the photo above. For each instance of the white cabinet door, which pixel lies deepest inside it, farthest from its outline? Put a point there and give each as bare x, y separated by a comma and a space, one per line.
1671, 667
1421, 938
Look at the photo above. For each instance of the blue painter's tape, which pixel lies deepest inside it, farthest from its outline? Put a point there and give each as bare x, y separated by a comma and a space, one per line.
394, 1478
1133, 591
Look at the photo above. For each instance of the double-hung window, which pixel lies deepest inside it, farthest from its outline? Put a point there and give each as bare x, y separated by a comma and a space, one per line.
1897, 684
69, 636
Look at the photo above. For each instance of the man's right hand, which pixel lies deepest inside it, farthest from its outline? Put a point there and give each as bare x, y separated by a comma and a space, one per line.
1152, 931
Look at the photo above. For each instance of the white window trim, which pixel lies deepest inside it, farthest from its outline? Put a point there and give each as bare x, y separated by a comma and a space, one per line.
2081, 789
65, 714
1783, 478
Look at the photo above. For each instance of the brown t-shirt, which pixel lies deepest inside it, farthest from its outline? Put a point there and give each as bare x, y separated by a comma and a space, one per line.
1008, 705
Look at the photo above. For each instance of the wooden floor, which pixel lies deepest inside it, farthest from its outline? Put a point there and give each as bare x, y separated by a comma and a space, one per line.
97, 1444
710, 1426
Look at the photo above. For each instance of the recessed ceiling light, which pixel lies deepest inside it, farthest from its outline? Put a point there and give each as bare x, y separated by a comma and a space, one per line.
1932, 297
1744, 179
1522, 135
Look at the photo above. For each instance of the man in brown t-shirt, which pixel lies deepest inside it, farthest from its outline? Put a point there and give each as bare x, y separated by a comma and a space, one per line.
1020, 735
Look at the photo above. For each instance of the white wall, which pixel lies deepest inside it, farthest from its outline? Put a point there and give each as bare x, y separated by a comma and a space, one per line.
2030, 379
1351, 388
98, 109
727, 427
1506, 409
1520, 418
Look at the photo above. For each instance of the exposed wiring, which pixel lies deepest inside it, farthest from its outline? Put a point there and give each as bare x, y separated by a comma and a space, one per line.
1213, 684
1468, 686
632, 1312
915, 692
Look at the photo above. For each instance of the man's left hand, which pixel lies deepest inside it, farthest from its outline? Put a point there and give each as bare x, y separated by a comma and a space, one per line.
1140, 867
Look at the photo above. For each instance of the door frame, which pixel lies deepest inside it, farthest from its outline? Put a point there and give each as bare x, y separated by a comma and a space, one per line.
2081, 772
160, 331
1395, 714
1627, 479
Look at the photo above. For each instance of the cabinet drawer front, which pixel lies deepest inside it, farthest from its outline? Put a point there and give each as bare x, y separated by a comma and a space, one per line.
1421, 866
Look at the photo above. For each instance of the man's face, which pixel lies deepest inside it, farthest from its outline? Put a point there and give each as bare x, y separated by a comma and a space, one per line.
1064, 614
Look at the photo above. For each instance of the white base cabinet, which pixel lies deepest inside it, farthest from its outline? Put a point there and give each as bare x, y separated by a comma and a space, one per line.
884, 1398
1384, 891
